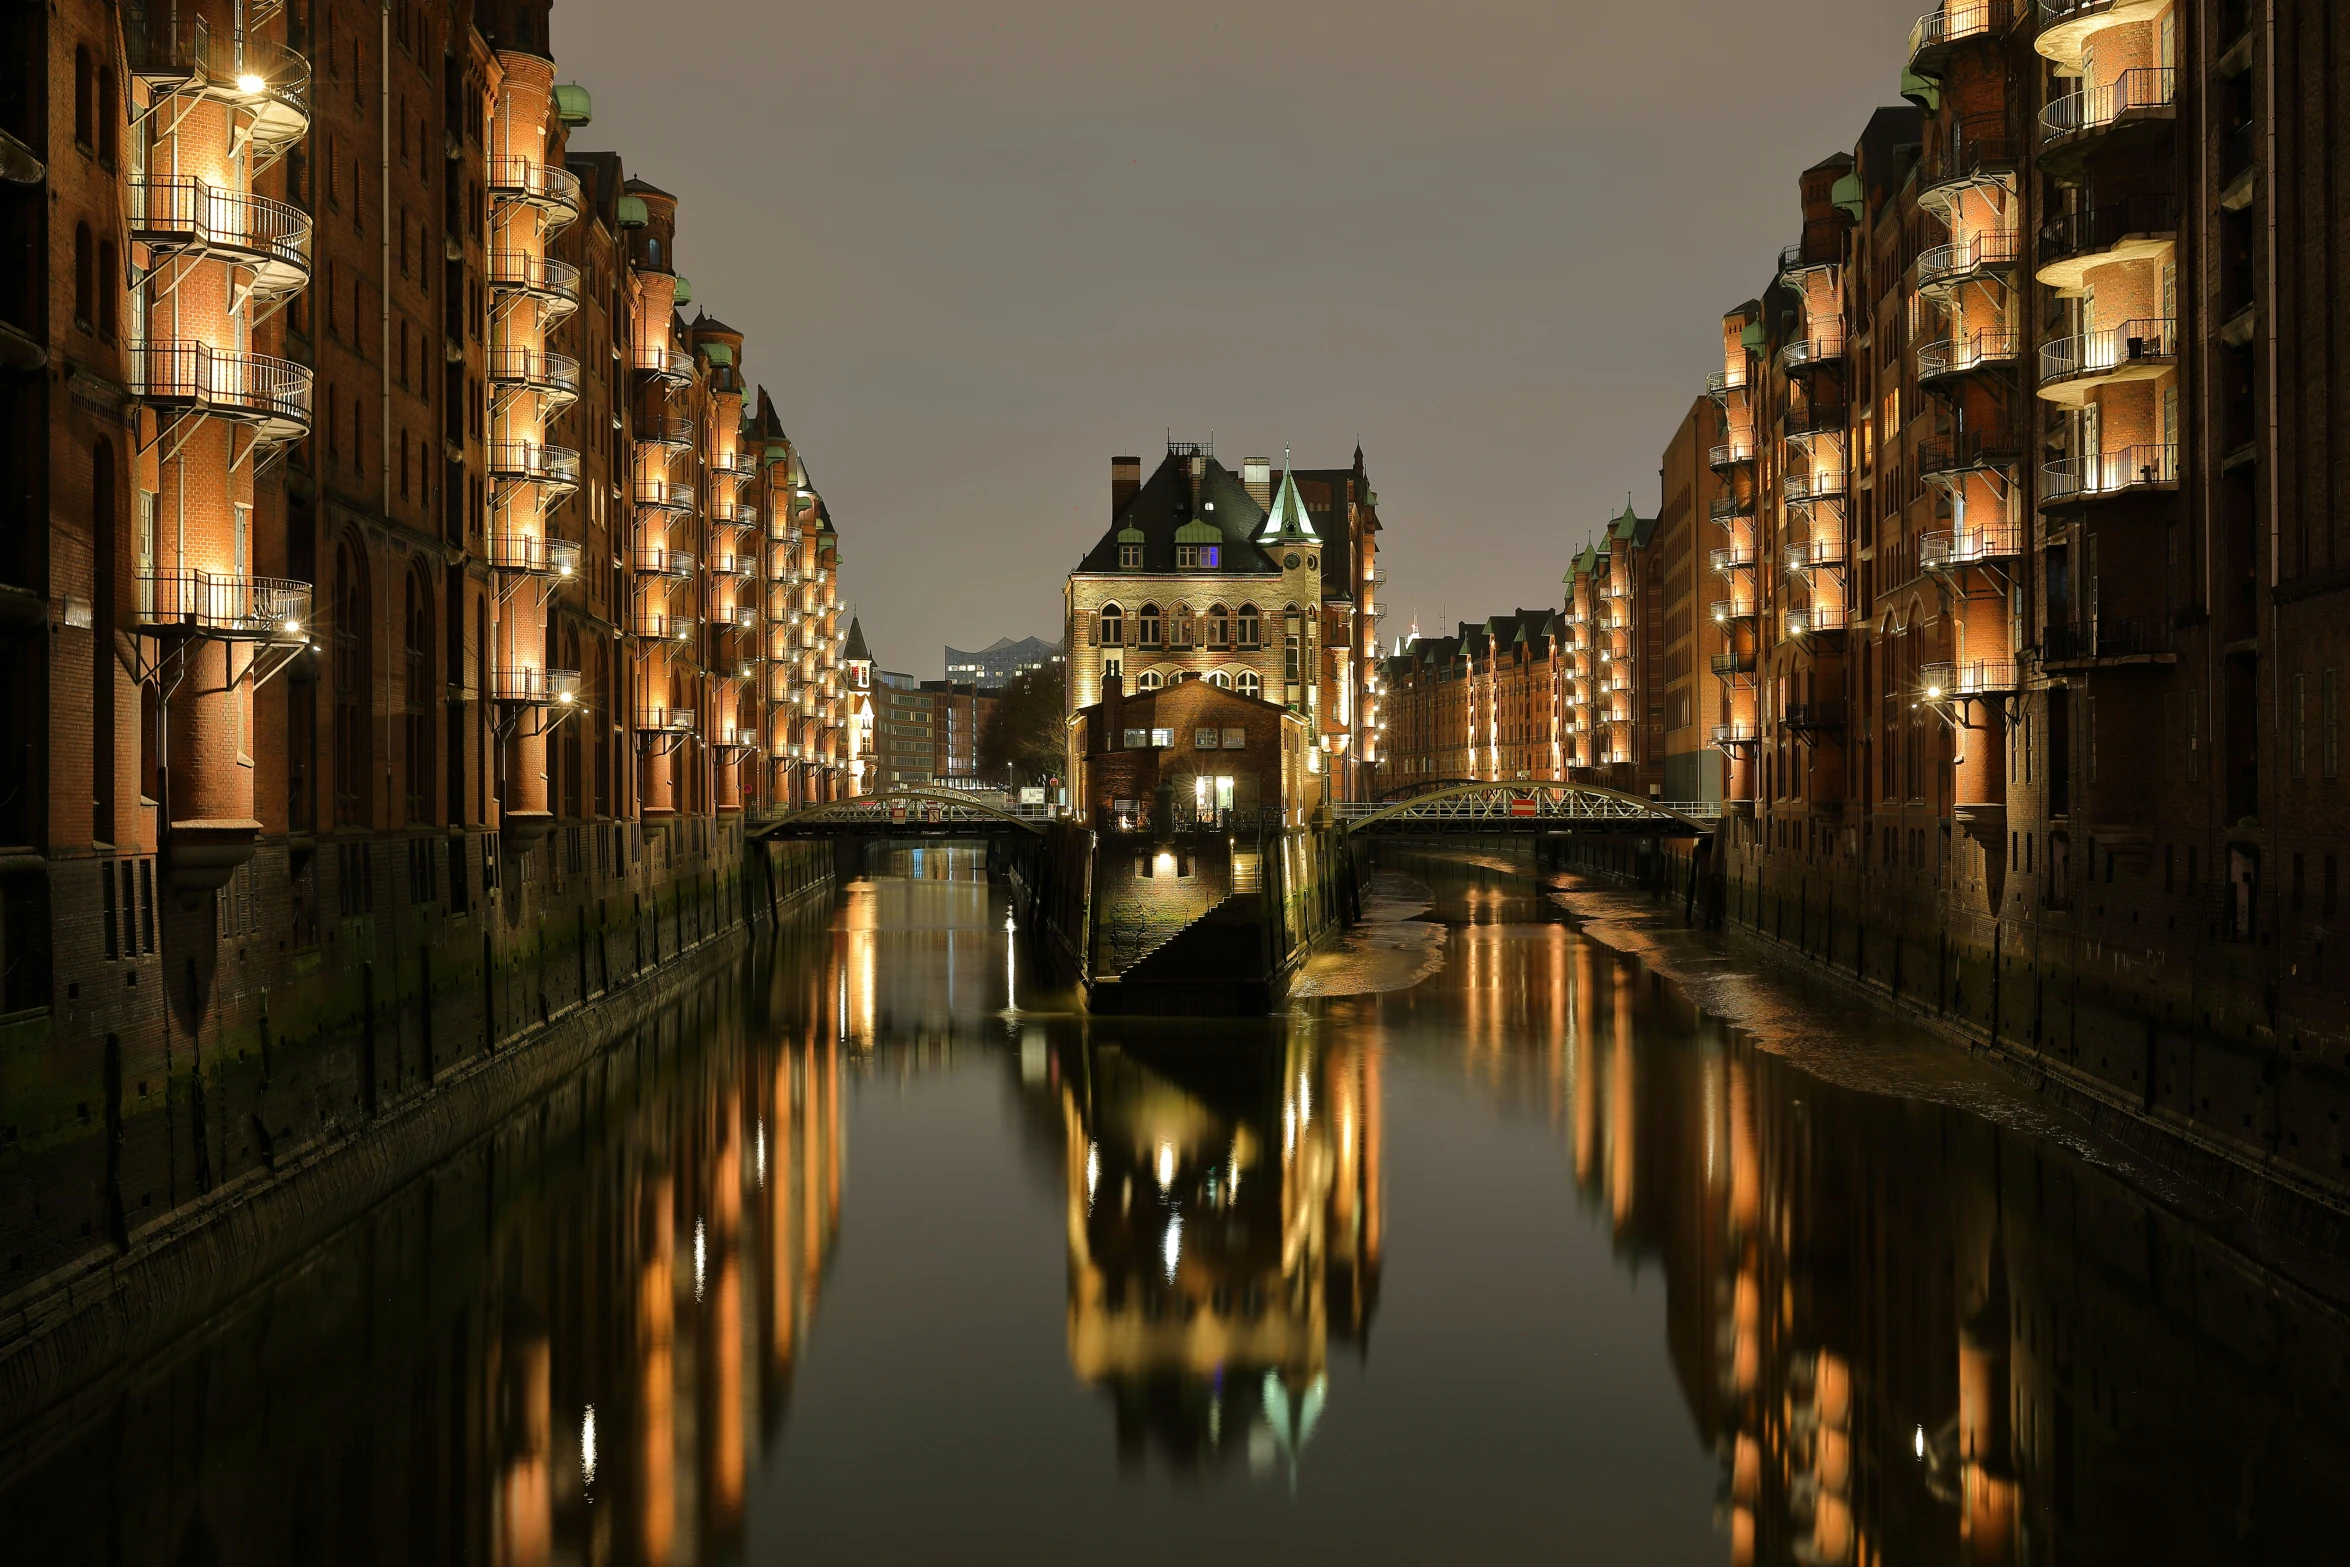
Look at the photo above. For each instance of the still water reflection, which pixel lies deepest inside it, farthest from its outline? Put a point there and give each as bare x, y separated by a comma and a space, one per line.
1496, 1248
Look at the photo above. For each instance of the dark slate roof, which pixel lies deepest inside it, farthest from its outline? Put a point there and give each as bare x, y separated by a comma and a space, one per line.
1170, 498
855, 647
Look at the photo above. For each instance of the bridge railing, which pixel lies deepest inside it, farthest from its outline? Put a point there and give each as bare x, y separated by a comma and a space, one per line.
1503, 804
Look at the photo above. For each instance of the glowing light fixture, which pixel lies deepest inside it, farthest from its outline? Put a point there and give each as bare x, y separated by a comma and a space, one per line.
250, 84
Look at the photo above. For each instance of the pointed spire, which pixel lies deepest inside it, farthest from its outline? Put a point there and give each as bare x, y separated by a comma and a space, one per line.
1288, 520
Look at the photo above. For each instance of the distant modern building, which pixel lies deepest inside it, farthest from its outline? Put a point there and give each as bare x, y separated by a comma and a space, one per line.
993, 667
926, 732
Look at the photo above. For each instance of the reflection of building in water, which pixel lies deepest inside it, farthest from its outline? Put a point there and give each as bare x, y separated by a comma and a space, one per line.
1224, 1226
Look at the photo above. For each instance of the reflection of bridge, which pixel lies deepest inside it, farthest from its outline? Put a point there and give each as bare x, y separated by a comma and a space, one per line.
1530, 807
903, 813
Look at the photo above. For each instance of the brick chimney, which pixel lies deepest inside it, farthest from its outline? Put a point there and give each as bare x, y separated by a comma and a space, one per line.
1257, 474
1125, 481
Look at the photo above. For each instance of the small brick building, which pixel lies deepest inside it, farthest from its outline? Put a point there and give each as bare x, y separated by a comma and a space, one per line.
1221, 755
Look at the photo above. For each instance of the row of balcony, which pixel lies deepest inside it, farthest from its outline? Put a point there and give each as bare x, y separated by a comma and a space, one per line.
554, 377
553, 284
266, 83
189, 375
549, 188
524, 462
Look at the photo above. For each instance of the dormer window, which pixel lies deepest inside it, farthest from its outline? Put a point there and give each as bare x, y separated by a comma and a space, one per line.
1130, 557
1198, 557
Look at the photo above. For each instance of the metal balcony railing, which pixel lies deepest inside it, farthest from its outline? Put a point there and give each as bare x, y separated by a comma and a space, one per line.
1726, 610
519, 462
1820, 484
1956, 21
1810, 717
1809, 353
1722, 383
533, 554
553, 376
1971, 546
1801, 257
1974, 677
2109, 636
529, 687
659, 560
669, 431
267, 80
2142, 88
2070, 235
225, 606
1816, 554
731, 563
1738, 449
1733, 557
1991, 250
1818, 620
183, 214
1972, 150
1966, 355
541, 277
2132, 349
1965, 451
554, 190
2110, 473
664, 492
1724, 736
1727, 509
666, 720
271, 394
662, 361
1733, 663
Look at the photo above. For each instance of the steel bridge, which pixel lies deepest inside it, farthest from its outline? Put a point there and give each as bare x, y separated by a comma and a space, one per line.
902, 813
1536, 807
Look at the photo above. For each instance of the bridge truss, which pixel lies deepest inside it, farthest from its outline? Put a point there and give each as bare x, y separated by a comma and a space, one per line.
1530, 807
901, 813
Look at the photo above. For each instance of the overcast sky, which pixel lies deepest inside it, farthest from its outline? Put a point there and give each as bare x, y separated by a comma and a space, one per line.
980, 246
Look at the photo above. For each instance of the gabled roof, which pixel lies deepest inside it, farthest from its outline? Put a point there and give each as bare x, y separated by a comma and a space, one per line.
854, 648
1168, 502
1288, 521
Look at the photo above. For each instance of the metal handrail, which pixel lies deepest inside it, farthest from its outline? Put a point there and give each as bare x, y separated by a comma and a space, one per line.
541, 184
535, 687
1732, 609
663, 360
534, 553
1733, 663
1965, 449
2002, 247
658, 560
520, 270
2110, 473
1974, 677
1971, 546
1732, 557
1821, 484
180, 210
2107, 224
2142, 341
1729, 508
1959, 355
668, 430
1957, 20
1735, 734
166, 49
1722, 383
1975, 146
536, 368
1730, 452
190, 372
1793, 260
667, 493
226, 605
1820, 348
1818, 618
1816, 554
524, 462
2094, 108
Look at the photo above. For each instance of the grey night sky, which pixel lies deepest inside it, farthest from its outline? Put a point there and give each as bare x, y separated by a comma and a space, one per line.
979, 246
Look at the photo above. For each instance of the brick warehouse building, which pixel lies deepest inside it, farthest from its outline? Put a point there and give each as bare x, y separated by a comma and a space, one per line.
406, 600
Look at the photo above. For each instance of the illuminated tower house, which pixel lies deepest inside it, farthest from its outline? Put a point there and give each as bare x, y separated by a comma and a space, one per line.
531, 199
732, 651
214, 101
1736, 730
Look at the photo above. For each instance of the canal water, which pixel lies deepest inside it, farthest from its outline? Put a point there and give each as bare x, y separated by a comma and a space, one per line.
1538, 1229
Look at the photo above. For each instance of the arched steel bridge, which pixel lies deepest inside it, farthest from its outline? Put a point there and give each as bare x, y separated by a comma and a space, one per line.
901, 813
1529, 807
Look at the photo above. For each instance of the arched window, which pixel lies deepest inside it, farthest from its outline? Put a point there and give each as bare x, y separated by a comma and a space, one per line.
1149, 680
1250, 685
85, 98
1182, 626
417, 719
1218, 677
350, 637
108, 114
1251, 629
1150, 627
653, 251
1219, 626
85, 277
1113, 626
109, 289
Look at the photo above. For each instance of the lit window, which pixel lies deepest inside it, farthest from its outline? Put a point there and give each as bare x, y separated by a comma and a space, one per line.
1149, 680
1130, 557
1163, 737
1203, 739
1250, 685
